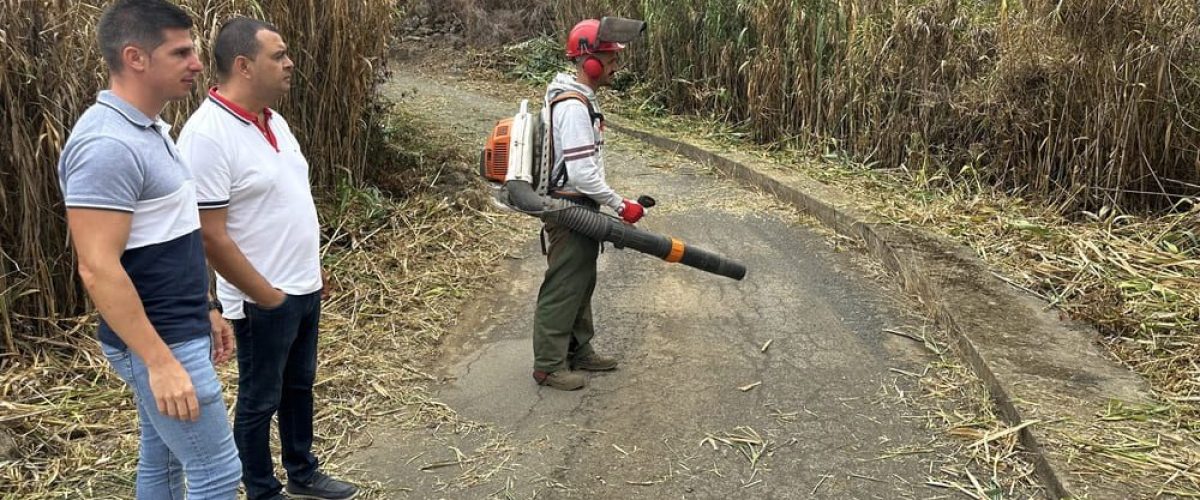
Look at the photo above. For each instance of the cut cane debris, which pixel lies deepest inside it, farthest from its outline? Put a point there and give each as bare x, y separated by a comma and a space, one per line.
987, 438
404, 267
747, 442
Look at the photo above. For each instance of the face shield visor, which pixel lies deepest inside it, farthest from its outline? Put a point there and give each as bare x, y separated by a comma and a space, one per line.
619, 30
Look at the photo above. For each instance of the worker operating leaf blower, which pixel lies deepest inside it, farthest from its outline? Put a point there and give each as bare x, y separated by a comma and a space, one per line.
549, 165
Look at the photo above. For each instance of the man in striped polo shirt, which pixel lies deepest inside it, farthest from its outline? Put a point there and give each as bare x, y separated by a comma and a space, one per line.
262, 236
131, 208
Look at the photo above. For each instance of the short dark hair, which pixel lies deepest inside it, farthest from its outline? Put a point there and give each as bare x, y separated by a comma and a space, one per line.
237, 37
137, 22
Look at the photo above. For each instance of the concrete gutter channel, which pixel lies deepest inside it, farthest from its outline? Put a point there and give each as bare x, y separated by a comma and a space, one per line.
1044, 374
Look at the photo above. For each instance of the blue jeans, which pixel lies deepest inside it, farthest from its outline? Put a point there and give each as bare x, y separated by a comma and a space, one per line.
173, 453
277, 364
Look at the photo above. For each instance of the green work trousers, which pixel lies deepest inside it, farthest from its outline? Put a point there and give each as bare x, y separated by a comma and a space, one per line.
562, 325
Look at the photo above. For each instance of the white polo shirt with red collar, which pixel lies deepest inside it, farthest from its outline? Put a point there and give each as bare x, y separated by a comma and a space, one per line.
256, 170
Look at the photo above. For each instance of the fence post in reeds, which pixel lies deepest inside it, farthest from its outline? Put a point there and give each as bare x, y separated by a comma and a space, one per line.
5, 316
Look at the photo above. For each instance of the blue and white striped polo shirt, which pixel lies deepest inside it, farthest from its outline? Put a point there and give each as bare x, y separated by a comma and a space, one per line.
119, 159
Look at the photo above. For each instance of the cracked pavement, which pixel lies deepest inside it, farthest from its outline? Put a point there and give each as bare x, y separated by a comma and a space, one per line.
666, 424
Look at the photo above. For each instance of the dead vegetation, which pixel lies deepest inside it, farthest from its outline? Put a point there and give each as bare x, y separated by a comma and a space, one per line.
402, 266
50, 71
1128, 274
1085, 104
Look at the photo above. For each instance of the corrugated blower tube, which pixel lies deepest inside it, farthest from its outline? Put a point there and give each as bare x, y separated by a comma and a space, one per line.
521, 196
511, 159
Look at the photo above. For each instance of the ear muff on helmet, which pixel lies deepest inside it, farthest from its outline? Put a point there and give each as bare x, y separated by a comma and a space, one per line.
593, 68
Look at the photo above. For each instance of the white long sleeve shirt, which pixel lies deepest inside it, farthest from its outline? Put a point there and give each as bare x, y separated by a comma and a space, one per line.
579, 145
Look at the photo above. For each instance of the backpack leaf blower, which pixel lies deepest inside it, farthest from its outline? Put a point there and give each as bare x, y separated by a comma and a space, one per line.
516, 157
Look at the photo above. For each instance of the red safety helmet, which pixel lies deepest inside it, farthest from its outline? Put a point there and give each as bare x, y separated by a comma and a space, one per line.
584, 39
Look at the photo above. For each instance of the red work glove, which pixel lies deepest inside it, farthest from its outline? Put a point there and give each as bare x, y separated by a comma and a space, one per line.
631, 211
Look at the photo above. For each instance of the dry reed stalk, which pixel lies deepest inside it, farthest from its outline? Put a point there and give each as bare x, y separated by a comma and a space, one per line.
1087, 104
50, 71
403, 267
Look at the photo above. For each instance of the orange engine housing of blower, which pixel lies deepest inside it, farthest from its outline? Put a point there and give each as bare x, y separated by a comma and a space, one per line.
493, 161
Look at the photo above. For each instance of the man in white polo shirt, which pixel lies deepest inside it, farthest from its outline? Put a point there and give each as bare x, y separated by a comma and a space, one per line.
262, 237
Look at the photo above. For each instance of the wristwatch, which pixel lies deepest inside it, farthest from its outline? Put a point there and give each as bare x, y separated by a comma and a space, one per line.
216, 304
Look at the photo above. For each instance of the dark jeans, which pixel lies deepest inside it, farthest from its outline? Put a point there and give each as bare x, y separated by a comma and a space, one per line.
277, 363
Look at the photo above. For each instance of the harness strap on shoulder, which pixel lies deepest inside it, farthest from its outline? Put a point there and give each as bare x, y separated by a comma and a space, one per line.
561, 179
578, 96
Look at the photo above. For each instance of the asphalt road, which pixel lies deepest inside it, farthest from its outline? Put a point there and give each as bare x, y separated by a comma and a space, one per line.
698, 408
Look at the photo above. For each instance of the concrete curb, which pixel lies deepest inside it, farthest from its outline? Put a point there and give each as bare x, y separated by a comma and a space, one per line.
965, 299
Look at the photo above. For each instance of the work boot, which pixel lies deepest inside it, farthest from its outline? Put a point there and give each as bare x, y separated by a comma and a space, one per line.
593, 362
322, 487
563, 380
